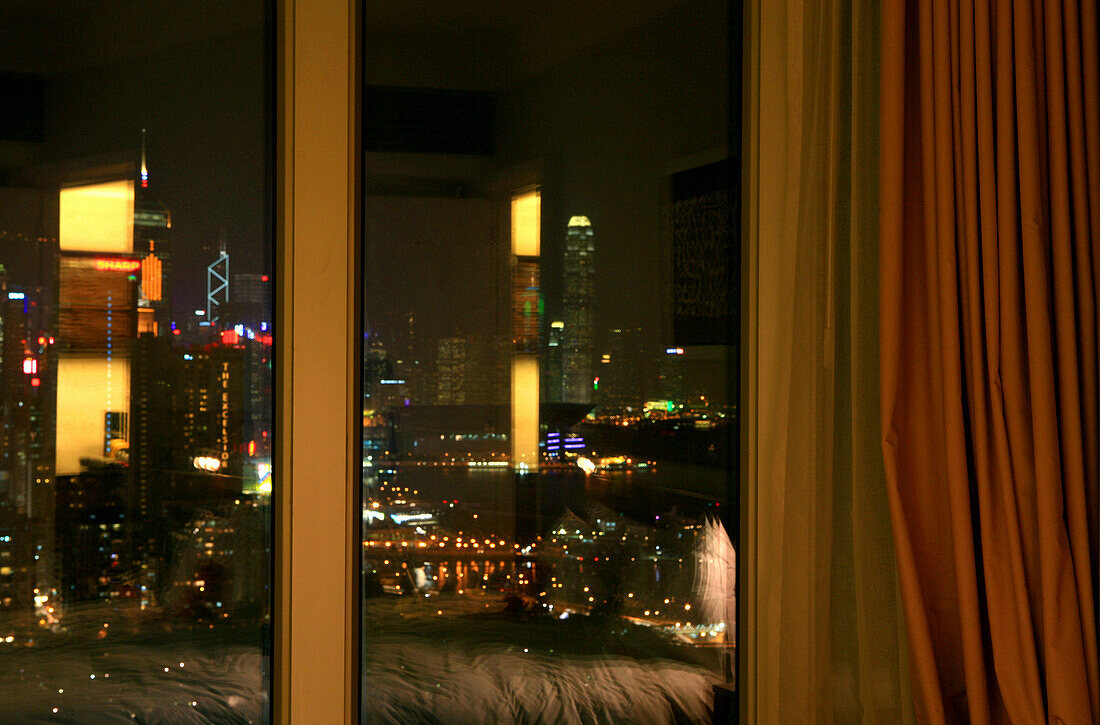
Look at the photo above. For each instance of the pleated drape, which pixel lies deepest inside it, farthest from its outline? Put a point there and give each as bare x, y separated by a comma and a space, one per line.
989, 271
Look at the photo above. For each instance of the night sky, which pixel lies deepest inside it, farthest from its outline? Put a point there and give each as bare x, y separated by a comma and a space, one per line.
202, 102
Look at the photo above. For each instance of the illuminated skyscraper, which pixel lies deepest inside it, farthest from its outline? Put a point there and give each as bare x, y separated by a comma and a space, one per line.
217, 287
211, 404
577, 344
152, 222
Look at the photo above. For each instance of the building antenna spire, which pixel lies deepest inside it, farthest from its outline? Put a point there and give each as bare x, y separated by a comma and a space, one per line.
144, 169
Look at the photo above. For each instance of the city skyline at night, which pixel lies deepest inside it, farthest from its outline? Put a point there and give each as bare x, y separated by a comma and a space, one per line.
532, 464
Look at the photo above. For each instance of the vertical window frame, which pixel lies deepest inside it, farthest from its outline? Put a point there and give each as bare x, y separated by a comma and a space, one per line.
315, 654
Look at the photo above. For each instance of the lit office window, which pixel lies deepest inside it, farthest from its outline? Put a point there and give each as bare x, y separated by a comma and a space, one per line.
549, 372
135, 363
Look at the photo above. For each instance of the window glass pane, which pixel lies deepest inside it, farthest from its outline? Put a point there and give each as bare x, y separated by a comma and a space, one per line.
135, 362
550, 369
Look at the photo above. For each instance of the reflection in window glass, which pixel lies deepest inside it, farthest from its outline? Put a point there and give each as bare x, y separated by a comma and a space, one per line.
549, 372
135, 363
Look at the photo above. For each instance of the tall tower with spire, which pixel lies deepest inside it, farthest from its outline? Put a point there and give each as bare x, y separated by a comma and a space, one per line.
152, 224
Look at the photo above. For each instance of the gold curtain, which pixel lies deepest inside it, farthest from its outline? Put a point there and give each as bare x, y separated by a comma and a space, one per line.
821, 635
990, 230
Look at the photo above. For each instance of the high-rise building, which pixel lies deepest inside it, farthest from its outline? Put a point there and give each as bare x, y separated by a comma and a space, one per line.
217, 290
450, 366
197, 436
554, 362
577, 345
382, 391
670, 375
251, 301
26, 450
258, 414
412, 356
211, 405
376, 367
26, 456
17, 566
621, 369
152, 447
92, 549
152, 222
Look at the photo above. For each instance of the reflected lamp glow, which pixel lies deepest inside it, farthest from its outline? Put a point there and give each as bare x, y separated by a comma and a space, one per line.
206, 463
88, 387
97, 217
526, 223
525, 413
526, 234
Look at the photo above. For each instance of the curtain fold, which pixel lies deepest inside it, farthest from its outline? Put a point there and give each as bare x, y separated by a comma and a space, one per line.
990, 226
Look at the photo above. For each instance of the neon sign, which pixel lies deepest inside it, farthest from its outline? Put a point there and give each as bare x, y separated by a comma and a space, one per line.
117, 265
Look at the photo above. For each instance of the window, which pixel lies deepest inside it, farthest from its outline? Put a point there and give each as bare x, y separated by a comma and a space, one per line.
549, 387
468, 132
137, 358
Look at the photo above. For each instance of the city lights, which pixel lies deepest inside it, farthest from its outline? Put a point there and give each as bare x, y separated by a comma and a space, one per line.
511, 496
207, 463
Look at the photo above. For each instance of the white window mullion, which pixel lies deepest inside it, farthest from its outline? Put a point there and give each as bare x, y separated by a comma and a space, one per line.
315, 654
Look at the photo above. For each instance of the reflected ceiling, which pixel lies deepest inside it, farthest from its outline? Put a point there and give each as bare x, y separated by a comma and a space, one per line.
48, 37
